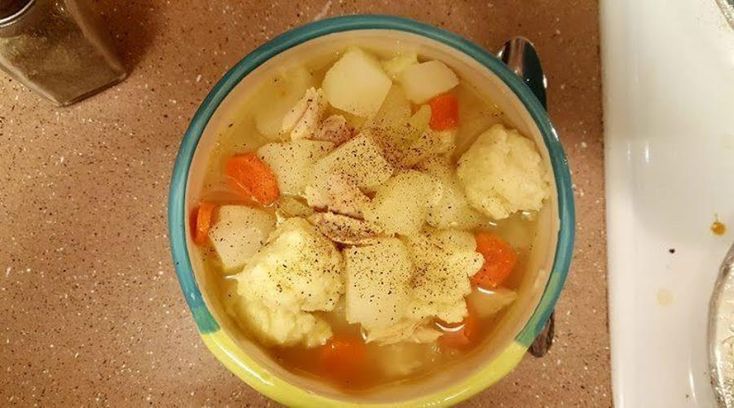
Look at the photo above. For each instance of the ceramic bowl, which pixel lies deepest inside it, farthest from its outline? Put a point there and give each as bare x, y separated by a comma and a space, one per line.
552, 247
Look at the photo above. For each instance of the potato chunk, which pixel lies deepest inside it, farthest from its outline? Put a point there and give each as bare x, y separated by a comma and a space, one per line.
377, 283
356, 83
360, 160
444, 261
239, 233
395, 288
292, 162
426, 80
401, 205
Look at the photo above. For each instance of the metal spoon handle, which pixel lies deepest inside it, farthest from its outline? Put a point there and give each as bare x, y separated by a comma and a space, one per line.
520, 56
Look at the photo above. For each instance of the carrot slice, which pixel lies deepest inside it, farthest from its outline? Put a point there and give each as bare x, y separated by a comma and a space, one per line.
343, 358
252, 177
499, 259
460, 335
202, 218
444, 112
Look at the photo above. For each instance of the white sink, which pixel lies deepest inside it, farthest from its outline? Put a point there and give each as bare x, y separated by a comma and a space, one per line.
668, 71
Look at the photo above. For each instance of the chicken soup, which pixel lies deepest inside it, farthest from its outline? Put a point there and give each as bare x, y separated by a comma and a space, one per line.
369, 218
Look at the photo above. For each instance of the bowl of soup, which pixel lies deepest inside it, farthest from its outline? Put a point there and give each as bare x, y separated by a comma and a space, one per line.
370, 211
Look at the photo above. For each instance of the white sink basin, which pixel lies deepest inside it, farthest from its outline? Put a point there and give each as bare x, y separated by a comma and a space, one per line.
668, 71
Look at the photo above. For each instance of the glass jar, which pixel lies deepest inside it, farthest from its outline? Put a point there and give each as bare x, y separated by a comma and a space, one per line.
57, 48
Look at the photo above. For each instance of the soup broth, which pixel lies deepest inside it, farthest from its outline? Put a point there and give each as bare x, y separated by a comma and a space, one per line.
348, 352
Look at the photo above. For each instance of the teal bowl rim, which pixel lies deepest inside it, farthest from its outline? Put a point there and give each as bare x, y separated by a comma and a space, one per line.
177, 216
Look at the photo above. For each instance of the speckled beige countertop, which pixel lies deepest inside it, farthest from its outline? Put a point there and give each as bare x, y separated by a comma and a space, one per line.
90, 310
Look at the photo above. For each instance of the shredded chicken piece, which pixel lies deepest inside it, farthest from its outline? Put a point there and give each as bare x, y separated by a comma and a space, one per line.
344, 229
302, 120
410, 331
339, 195
387, 140
334, 129
343, 197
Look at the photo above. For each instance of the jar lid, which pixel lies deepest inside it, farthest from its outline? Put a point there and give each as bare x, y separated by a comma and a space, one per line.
12, 9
